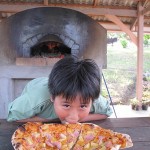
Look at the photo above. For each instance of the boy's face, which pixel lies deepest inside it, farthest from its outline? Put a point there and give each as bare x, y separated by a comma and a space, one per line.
71, 112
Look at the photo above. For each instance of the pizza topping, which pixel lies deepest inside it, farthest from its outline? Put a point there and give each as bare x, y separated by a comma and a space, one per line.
76, 133
62, 136
108, 144
89, 137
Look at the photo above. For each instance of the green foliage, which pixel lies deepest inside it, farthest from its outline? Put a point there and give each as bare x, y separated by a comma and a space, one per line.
146, 41
146, 94
124, 43
146, 37
134, 101
120, 74
146, 97
124, 38
112, 35
146, 61
104, 93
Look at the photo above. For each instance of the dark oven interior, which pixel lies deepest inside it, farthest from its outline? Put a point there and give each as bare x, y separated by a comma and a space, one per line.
50, 46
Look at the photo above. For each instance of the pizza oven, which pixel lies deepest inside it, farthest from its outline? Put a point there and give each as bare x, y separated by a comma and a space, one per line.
34, 40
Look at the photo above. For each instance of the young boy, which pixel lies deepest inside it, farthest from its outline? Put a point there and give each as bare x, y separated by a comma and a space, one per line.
70, 94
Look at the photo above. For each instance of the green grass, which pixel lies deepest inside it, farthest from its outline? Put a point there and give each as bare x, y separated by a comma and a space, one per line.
126, 59
121, 72
146, 59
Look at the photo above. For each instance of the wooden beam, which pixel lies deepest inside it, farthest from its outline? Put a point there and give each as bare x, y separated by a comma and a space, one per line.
95, 3
146, 1
135, 20
139, 84
46, 2
146, 18
1, 16
123, 27
146, 10
133, 24
113, 27
86, 10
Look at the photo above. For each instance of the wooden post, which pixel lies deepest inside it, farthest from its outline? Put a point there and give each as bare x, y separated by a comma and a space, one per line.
139, 85
46, 2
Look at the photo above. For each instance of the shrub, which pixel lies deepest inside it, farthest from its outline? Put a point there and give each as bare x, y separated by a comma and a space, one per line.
124, 43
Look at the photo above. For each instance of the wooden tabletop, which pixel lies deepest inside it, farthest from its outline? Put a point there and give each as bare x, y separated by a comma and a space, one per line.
137, 128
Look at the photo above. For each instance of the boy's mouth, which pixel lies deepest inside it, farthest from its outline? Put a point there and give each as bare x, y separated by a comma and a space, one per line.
64, 122
67, 122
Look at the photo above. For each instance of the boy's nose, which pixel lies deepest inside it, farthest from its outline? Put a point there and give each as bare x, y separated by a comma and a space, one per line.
73, 117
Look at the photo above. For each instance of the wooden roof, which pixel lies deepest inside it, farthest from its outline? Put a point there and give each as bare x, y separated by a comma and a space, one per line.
125, 10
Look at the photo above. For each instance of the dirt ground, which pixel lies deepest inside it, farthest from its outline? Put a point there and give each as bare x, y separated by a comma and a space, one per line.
124, 95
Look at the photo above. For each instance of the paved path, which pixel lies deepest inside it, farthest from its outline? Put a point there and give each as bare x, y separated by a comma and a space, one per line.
125, 111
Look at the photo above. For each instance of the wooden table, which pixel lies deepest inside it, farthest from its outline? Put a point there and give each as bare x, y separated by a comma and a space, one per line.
137, 128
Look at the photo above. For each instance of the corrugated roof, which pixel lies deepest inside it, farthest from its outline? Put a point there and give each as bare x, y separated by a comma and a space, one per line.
9, 7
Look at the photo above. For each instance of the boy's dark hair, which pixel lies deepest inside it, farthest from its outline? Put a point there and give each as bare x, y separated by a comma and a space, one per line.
71, 76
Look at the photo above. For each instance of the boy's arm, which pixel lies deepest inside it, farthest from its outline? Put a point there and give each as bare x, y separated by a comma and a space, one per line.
33, 100
38, 119
33, 119
100, 109
92, 117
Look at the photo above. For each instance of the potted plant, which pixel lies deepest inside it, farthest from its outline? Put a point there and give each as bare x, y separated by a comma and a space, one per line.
145, 104
134, 104
145, 100
146, 94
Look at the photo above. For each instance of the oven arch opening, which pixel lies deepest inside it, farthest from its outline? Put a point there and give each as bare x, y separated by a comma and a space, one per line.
50, 46
50, 50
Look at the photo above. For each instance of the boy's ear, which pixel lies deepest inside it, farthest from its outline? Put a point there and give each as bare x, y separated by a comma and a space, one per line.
51, 99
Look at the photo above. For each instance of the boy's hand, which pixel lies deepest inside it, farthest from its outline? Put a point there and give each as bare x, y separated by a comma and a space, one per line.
92, 117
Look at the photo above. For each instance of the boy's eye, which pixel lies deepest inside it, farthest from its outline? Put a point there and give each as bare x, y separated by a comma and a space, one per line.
83, 106
66, 105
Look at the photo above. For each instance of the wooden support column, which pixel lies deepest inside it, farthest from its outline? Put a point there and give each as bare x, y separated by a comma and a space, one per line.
46, 2
139, 85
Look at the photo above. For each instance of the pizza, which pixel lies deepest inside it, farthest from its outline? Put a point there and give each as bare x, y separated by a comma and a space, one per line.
80, 136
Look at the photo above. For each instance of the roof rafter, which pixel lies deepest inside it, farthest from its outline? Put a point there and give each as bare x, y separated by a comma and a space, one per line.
133, 24
123, 27
135, 20
95, 3
146, 10
86, 10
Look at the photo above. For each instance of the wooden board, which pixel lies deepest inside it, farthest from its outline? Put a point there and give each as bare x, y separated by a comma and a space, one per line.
137, 128
36, 61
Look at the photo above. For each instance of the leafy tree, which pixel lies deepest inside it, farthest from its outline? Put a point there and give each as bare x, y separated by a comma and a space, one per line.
146, 39
124, 43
